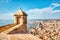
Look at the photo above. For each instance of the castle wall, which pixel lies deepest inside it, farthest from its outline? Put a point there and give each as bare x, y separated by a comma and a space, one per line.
20, 29
20, 17
15, 19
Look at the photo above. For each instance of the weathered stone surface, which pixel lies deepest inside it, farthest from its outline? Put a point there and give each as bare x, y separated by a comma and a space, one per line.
23, 37
18, 37
4, 36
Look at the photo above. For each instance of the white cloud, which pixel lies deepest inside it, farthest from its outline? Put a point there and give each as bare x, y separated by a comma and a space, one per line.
53, 5
35, 13
44, 12
56, 11
37, 10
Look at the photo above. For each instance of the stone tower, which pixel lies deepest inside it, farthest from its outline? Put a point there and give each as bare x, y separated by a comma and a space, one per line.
20, 17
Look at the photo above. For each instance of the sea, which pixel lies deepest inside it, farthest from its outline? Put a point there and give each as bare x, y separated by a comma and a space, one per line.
6, 22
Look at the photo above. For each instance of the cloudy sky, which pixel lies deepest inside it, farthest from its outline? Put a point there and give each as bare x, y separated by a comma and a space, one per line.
36, 9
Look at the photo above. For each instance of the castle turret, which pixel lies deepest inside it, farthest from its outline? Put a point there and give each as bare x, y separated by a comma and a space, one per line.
20, 17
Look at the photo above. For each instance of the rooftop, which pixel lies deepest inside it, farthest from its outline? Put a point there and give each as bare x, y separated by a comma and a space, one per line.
20, 12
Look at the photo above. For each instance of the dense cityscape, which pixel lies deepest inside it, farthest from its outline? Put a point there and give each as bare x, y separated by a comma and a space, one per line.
47, 30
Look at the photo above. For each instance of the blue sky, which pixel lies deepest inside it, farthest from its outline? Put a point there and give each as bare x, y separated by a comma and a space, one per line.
36, 9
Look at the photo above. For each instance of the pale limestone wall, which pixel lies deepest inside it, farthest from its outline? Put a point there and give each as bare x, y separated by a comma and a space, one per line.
4, 36
23, 37
18, 37
18, 20
21, 19
25, 20
15, 19
18, 29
